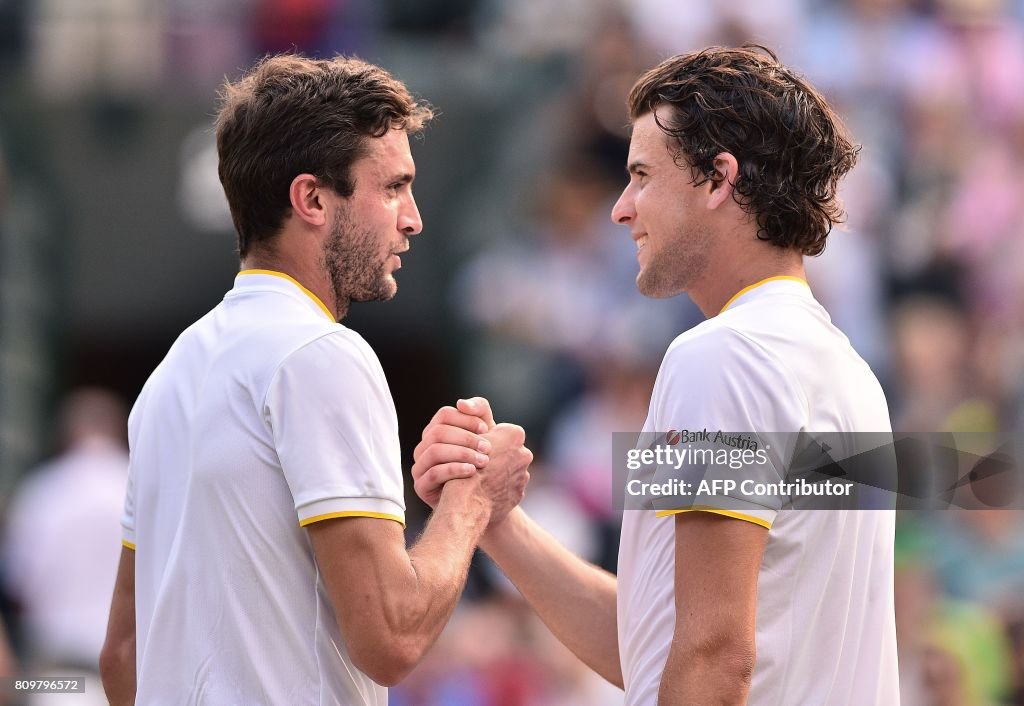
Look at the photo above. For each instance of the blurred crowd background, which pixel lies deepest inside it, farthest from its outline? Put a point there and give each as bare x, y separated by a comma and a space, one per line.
116, 235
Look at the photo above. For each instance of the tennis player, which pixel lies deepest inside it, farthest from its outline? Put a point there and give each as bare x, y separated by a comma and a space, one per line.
265, 560
734, 163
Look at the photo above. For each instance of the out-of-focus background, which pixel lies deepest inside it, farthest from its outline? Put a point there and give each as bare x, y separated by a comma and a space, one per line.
116, 236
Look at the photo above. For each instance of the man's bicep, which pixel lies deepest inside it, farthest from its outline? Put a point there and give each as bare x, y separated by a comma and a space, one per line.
122, 608
120, 639
718, 559
362, 561
117, 660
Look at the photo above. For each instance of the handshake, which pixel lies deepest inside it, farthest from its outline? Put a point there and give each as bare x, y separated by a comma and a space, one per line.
463, 447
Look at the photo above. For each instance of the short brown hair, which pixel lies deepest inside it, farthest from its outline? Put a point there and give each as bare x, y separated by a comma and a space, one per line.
289, 115
791, 147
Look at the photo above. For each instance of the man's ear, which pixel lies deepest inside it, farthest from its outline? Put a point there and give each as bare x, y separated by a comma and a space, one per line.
722, 180
306, 196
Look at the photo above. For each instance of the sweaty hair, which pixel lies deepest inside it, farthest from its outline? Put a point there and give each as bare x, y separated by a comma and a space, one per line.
291, 115
791, 147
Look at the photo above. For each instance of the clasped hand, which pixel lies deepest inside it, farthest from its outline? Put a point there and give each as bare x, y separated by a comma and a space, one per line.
463, 442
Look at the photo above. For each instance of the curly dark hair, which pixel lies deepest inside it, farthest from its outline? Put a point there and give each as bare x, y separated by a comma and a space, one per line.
791, 147
289, 115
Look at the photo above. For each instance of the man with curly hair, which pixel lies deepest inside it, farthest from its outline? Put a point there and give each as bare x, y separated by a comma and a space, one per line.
733, 166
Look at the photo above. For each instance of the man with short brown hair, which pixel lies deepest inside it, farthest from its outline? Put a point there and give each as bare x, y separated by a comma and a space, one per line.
265, 560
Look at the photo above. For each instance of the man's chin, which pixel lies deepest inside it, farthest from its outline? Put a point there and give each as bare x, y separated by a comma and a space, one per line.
387, 290
653, 287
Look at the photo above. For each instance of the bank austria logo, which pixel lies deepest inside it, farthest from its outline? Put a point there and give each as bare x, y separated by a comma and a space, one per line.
674, 437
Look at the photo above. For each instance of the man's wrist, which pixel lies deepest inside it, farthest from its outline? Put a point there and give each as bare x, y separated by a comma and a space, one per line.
503, 530
468, 496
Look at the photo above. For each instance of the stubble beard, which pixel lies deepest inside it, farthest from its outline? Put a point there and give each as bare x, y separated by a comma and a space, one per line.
677, 265
352, 260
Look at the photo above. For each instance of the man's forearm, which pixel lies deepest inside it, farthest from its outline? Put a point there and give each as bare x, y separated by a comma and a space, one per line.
574, 598
441, 556
117, 669
416, 603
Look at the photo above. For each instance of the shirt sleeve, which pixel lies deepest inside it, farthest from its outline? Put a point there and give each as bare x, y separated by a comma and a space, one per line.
128, 513
738, 401
336, 432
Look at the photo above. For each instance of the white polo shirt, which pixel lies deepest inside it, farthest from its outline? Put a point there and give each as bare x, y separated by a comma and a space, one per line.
825, 634
265, 416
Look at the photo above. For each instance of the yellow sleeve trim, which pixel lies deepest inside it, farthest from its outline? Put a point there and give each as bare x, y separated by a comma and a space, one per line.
127, 545
717, 511
282, 275
755, 285
352, 513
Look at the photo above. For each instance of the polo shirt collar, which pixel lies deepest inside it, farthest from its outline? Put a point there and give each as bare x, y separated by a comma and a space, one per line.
272, 280
770, 285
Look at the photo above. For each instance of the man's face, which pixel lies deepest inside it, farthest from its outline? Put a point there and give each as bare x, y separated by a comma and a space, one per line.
664, 212
373, 225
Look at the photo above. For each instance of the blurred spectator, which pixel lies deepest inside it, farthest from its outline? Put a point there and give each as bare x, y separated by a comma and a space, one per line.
984, 229
672, 28
204, 41
952, 653
580, 441
1016, 632
979, 556
319, 28
113, 47
592, 122
530, 28
63, 534
931, 339
291, 25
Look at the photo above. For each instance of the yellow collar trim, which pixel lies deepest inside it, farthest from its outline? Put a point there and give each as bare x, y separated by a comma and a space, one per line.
755, 285
282, 275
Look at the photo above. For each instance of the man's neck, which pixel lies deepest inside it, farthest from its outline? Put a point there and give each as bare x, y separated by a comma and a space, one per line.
310, 276
721, 283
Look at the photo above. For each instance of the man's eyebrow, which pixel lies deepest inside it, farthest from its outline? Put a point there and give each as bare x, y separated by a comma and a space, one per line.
635, 166
404, 178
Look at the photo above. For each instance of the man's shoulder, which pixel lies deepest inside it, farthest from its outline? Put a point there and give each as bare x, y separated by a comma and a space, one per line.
716, 341
721, 366
220, 346
267, 341
329, 357
791, 331
329, 344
